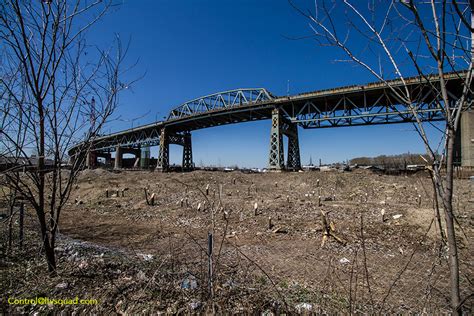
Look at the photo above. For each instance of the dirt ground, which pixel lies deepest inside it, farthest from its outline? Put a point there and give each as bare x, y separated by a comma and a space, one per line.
268, 232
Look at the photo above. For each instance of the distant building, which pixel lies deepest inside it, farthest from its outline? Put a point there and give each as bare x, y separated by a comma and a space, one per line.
310, 168
22, 162
415, 167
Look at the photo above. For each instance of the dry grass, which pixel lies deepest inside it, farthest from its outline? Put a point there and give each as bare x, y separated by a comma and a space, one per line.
393, 266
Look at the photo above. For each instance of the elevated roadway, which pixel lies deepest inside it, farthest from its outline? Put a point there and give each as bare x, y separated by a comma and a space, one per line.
369, 104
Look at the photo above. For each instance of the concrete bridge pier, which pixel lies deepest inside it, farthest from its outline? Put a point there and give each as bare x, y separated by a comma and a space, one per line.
281, 126
137, 152
106, 155
464, 144
120, 151
91, 160
118, 157
145, 158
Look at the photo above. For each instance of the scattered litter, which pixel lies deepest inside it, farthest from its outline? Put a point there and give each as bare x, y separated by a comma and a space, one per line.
280, 230
83, 264
189, 282
193, 305
62, 286
303, 307
231, 235
344, 260
146, 257
268, 313
397, 216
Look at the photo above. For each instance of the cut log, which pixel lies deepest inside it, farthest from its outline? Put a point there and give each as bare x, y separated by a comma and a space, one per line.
329, 230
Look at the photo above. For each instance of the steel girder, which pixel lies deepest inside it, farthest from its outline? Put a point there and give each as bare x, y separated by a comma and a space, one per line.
133, 138
362, 108
370, 104
277, 156
282, 126
183, 139
164, 153
293, 162
219, 101
187, 164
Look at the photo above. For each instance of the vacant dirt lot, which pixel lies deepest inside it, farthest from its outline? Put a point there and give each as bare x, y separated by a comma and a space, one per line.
268, 232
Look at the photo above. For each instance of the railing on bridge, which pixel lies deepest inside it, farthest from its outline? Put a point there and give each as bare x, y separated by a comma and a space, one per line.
221, 100
374, 103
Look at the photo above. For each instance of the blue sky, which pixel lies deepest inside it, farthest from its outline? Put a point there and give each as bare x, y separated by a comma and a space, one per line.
192, 48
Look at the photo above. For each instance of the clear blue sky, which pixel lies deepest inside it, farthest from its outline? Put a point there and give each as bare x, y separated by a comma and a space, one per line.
192, 48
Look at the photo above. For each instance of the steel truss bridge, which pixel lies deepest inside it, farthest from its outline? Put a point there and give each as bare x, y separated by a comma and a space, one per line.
370, 104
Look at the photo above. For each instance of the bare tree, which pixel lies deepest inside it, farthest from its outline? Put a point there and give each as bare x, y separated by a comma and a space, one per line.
398, 39
55, 89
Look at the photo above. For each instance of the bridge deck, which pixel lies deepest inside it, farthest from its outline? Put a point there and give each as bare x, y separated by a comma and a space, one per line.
373, 103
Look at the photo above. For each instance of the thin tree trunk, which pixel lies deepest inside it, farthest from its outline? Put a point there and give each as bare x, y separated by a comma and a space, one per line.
22, 214
44, 40
48, 249
436, 207
449, 218
50, 257
10, 228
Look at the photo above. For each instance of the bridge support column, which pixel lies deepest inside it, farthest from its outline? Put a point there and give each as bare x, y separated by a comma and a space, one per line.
282, 126
293, 162
163, 156
276, 159
145, 158
106, 155
118, 157
138, 157
91, 160
464, 146
187, 152
108, 160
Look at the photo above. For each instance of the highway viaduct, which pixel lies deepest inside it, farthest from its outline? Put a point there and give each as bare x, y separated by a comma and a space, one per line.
370, 104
